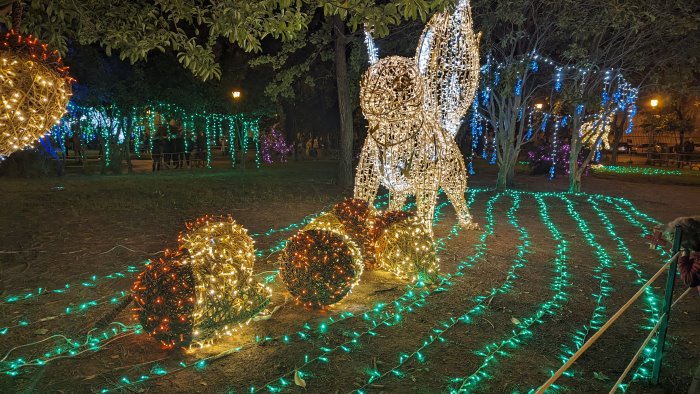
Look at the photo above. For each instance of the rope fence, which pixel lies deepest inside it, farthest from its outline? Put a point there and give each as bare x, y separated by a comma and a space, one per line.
660, 327
644, 345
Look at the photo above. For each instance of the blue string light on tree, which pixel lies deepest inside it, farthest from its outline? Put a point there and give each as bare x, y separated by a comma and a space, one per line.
558, 78
555, 146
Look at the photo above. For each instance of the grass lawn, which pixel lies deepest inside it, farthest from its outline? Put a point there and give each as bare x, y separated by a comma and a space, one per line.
517, 293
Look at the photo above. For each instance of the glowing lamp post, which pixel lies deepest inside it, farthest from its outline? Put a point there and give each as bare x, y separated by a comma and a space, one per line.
654, 103
538, 105
236, 94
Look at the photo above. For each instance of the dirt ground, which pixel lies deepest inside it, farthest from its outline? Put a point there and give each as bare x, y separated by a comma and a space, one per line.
518, 295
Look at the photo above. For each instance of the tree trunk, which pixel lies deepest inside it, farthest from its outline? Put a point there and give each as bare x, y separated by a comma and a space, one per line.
506, 171
613, 153
103, 155
575, 182
344, 105
618, 131
575, 149
129, 125
575, 170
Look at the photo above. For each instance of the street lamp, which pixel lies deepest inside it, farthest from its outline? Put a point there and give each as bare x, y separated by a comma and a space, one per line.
652, 146
236, 94
538, 105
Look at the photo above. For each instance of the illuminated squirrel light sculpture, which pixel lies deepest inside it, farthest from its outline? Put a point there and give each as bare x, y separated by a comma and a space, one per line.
414, 107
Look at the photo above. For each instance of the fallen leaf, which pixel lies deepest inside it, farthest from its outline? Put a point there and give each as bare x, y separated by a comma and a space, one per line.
298, 380
267, 315
515, 321
600, 376
41, 331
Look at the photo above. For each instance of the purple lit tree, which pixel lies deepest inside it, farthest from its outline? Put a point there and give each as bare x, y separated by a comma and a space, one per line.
274, 145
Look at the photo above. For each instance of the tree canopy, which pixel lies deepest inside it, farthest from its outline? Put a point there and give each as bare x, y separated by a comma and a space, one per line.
196, 29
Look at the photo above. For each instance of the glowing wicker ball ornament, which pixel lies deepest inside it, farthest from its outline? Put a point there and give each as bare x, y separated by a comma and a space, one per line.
320, 267
356, 215
203, 291
164, 294
34, 89
382, 221
352, 218
405, 247
222, 256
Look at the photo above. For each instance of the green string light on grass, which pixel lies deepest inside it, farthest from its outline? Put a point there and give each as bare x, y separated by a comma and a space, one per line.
69, 347
491, 352
597, 319
92, 281
649, 352
70, 310
652, 308
436, 333
624, 170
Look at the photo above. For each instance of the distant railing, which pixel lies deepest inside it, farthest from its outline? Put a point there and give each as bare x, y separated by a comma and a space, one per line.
674, 159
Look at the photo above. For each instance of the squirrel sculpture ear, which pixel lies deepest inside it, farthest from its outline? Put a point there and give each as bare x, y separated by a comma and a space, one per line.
447, 57
423, 50
372, 52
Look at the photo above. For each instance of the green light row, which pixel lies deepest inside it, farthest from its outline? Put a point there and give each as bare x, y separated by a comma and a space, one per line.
71, 309
604, 290
69, 347
443, 327
650, 298
491, 352
635, 170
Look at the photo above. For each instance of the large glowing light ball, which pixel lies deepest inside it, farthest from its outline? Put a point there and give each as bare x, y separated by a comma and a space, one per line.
405, 248
204, 290
165, 300
320, 267
381, 222
34, 89
356, 215
222, 256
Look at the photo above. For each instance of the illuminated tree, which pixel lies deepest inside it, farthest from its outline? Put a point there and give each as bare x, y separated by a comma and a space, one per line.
512, 33
626, 36
637, 40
